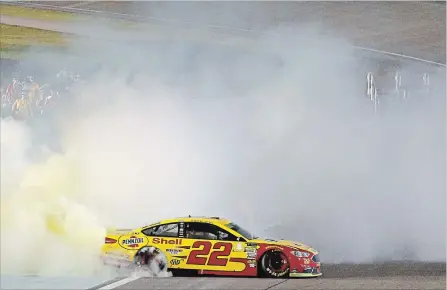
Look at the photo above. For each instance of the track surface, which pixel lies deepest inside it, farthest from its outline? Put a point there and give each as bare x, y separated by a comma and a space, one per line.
345, 276
226, 283
412, 28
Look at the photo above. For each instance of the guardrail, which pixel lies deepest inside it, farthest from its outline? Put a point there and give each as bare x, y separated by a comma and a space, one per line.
375, 94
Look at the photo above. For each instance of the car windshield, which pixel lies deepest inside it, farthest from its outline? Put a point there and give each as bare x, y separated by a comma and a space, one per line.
240, 230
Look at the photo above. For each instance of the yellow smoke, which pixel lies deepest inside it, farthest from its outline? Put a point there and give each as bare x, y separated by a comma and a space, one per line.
45, 229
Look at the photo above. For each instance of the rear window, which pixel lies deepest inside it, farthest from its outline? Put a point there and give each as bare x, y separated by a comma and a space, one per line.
167, 230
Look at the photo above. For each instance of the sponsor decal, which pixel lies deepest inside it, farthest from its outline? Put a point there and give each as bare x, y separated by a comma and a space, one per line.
250, 250
174, 251
307, 269
306, 261
132, 242
174, 262
252, 244
252, 263
181, 230
294, 271
238, 248
167, 241
273, 247
251, 255
278, 274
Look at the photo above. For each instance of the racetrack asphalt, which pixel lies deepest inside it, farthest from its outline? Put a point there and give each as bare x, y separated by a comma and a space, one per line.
345, 276
413, 28
319, 283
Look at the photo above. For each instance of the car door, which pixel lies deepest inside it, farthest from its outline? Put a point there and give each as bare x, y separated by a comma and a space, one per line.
209, 247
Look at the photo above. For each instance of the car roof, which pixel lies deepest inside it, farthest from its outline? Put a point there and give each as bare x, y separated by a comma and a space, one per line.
200, 219
203, 219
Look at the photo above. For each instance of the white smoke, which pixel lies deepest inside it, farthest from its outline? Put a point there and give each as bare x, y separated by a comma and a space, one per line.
284, 140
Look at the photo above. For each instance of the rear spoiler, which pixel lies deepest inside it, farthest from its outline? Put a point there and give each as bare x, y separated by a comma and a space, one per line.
118, 231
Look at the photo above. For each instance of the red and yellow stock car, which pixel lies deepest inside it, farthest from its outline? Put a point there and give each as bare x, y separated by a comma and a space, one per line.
209, 246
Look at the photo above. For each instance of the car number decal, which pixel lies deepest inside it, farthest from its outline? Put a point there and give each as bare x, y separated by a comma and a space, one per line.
218, 257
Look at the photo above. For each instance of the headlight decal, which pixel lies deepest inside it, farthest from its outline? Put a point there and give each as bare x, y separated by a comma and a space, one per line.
300, 254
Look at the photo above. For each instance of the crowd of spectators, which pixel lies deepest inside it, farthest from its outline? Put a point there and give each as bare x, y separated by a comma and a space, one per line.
25, 97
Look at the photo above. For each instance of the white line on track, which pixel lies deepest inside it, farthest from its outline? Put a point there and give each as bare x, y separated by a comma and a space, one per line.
119, 283
81, 4
400, 55
140, 17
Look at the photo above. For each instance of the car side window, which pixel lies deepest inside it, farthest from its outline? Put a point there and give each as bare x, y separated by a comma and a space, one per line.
226, 236
207, 231
166, 230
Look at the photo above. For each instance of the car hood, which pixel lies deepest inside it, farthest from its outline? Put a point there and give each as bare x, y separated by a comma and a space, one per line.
287, 243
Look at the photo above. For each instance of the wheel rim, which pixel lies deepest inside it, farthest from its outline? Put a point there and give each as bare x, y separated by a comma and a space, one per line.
277, 262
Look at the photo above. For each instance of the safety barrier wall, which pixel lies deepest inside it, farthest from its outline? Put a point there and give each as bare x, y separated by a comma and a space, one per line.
399, 91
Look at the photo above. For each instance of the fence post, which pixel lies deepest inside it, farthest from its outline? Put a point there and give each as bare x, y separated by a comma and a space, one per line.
370, 85
375, 99
426, 81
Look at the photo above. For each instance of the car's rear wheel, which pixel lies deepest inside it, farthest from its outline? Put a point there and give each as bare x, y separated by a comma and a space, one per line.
151, 258
274, 264
184, 273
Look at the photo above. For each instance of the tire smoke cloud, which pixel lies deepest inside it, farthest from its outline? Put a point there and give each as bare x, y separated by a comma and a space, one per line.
277, 136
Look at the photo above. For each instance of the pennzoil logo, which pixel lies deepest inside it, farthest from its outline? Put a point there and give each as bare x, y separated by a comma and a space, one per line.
133, 242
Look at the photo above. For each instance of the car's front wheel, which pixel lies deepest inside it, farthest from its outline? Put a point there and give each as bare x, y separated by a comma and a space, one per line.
274, 264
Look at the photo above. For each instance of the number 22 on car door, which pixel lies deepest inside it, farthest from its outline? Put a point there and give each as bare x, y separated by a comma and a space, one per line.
212, 255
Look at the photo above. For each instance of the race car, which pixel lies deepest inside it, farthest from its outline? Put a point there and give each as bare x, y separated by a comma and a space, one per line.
209, 246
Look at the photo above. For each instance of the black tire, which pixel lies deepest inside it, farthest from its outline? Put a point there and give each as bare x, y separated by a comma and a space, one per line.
184, 273
274, 264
